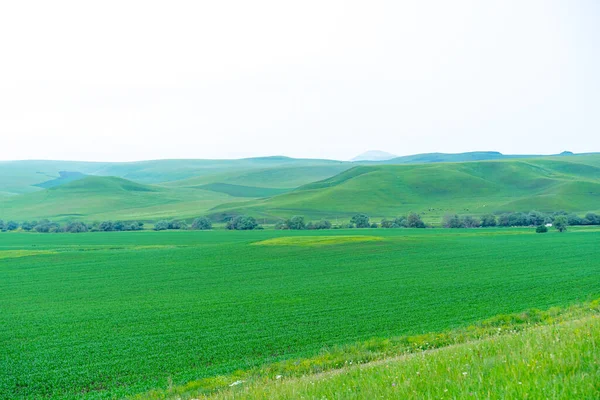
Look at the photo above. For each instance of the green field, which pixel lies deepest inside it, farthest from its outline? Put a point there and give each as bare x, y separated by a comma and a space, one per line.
105, 315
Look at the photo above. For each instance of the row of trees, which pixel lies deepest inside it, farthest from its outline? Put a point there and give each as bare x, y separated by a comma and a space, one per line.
241, 222
533, 218
412, 220
47, 226
200, 223
298, 222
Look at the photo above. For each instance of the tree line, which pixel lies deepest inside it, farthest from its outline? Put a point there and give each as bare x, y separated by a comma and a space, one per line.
559, 219
514, 219
297, 222
240, 222
47, 226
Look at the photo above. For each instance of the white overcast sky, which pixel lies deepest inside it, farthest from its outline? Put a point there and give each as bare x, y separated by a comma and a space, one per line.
131, 80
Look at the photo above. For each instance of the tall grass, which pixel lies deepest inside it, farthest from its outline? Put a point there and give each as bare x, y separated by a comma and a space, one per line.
548, 362
489, 349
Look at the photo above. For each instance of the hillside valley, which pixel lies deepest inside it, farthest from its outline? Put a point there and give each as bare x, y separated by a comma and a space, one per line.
274, 188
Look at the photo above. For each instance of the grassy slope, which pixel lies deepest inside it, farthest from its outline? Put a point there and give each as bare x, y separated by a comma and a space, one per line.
559, 183
18, 177
199, 304
465, 157
65, 177
446, 157
547, 362
241, 190
284, 177
224, 181
565, 183
97, 198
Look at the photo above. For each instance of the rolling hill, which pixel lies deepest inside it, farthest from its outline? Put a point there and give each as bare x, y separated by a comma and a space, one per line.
549, 184
18, 177
428, 158
278, 172
277, 187
98, 198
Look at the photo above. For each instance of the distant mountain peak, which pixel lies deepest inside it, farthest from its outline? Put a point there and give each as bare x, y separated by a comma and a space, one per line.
374, 155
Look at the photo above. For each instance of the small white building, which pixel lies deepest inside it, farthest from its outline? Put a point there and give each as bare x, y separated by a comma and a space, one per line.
548, 225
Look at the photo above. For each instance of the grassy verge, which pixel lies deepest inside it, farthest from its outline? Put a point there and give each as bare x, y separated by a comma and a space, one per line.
558, 361
540, 354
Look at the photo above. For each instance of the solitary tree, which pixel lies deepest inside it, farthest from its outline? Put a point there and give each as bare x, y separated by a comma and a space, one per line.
242, 223
361, 221
295, 223
202, 224
561, 223
414, 221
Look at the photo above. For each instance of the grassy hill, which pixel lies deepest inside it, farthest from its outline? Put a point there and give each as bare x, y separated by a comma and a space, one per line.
64, 177
180, 188
18, 177
98, 198
281, 177
278, 187
550, 184
463, 157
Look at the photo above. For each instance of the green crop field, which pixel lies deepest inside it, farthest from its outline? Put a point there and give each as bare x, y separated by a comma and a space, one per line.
104, 315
